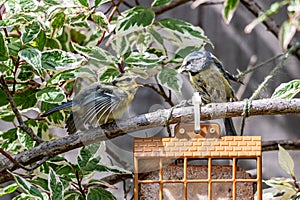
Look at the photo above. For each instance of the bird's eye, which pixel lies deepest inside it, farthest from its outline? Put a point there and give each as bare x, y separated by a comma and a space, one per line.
188, 62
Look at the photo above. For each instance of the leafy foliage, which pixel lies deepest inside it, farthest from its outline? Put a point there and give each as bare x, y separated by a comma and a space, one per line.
47, 45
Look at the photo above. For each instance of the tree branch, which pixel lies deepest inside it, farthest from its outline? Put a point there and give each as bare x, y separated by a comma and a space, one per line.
286, 144
169, 6
149, 120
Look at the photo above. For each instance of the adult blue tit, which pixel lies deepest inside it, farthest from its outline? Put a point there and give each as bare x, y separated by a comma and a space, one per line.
211, 80
99, 103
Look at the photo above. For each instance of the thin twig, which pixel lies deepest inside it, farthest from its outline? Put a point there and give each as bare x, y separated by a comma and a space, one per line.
115, 9
22, 125
81, 190
161, 93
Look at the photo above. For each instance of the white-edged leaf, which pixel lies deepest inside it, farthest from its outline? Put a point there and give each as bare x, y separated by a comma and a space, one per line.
280, 184
285, 161
8, 189
145, 60
229, 9
158, 38
28, 5
96, 53
183, 34
25, 140
31, 31
157, 3
3, 48
169, 78
9, 22
108, 74
143, 42
28, 188
55, 185
134, 19
99, 194
33, 57
120, 45
51, 95
287, 90
57, 22
286, 33
100, 19
58, 59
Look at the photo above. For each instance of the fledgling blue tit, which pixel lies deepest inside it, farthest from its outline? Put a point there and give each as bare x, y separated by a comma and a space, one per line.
211, 80
99, 103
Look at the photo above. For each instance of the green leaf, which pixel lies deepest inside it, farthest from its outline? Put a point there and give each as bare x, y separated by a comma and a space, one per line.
25, 140
229, 9
58, 59
31, 31
100, 2
57, 22
184, 34
51, 95
145, 60
8, 189
285, 161
108, 74
55, 186
86, 154
286, 33
29, 95
28, 188
40, 41
169, 78
157, 3
28, 5
287, 90
100, 19
134, 19
33, 57
85, 3
3, 98
52, 43
99, 194
3, 48
143, 42
14, 48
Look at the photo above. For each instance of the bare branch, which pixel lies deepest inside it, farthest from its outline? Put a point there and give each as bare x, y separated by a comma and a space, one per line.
170, 6
149, 120
271, 25
22, 125
286, 144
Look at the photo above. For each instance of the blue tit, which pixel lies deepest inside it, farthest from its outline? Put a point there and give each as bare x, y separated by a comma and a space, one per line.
211, 80
99, 103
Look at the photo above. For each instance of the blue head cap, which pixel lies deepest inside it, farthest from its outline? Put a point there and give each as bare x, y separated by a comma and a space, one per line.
196, 61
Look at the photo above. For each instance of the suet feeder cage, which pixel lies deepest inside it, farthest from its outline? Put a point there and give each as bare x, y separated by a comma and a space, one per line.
204, 180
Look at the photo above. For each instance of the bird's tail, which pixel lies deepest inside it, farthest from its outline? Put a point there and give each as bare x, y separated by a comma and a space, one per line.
57, 108
229, 127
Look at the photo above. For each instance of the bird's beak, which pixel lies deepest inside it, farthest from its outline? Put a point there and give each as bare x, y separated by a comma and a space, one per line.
181, 69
